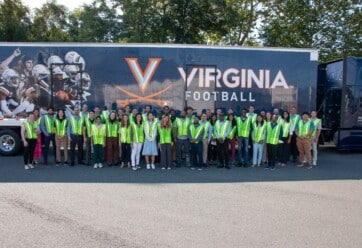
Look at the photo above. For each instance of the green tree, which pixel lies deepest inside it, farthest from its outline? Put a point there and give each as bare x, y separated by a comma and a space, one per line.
50, 23
96, 22
14, 21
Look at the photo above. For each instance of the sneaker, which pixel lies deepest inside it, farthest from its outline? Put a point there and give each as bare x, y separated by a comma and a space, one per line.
267, 168
26, 167
148, 166
300, 165
168, 168
258, 165
163, 168
122, 164
309, 167
138, 167
30, 166
153, 166
66, 163
100, 165
253, 165
192, 168
57, 163
95, 166
272, 167
199, 169
134, 168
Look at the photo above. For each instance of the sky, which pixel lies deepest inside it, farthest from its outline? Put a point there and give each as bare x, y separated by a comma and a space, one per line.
70, 4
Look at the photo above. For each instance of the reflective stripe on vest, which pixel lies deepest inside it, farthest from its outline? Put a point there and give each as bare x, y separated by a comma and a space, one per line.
165, 135
150, 130
286, 129
138, 133
258, 132
232, 132
221, 130
49, 124
243, 126
88, 125
206, 129
98, 134
195, 132
126, 134
316, 123
304, 128
273, 134
294, 120
61, 127
182, 126
112, 129
76, 125
30, 130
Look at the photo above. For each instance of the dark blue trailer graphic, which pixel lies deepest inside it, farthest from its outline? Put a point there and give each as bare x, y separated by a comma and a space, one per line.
68, 74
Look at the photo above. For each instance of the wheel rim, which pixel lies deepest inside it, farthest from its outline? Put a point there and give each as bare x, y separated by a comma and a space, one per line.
7, 143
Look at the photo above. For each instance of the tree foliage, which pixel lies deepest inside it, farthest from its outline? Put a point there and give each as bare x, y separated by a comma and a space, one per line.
333, 27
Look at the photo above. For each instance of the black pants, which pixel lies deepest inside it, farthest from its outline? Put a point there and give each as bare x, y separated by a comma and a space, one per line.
283, 151
272, 154
47, 140
293, 147
196, 154
77, 140
166, 157
212, 152
223, 152
29, 151
126, 152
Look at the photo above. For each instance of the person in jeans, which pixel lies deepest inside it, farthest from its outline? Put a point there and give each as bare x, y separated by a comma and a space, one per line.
243, 132
258, 138
284, 146
221, 132
87, 131
181, 126
112, 139
315, 135
29, 134
61, 137
274, 131
75, 135
47, 128
196, 135
165, 142
137, 139
304, 130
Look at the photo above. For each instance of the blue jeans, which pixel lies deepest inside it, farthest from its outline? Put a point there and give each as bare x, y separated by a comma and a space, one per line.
47, 140
257, 153
243, 145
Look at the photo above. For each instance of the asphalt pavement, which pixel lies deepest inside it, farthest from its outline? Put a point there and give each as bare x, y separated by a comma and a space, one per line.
243, 207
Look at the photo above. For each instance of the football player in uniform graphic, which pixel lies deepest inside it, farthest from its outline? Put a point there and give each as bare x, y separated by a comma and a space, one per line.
8, 93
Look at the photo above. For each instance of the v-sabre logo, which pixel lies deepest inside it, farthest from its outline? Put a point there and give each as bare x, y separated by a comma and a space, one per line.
143, 78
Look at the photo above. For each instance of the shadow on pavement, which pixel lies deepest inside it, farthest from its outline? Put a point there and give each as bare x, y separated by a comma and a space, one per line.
332, 165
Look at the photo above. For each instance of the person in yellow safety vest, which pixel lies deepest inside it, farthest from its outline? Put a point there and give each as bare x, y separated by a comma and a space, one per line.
196, 136
284, 146
61, 137
294, 119
232, 136
304, 130
98, 139
88, 122
258, 138
150, 145
212, 152
180, 130
274, 133
315, 135
190, 114
112, 140
125, 138
132, 115
243, 132
75, 135
47, 128
206, 139
137, 139
221, 132
165, 142
106, 112
29, 133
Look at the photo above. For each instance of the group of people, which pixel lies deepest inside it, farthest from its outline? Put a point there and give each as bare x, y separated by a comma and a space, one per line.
175, 138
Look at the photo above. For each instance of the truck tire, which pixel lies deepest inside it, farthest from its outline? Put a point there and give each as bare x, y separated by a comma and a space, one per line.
10, 143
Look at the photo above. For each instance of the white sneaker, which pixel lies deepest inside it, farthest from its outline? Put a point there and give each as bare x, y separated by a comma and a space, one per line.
163, 168
153, 166
138, 167
134, 168
148, 166
95, 166
30, 166
100, 165
26, 167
